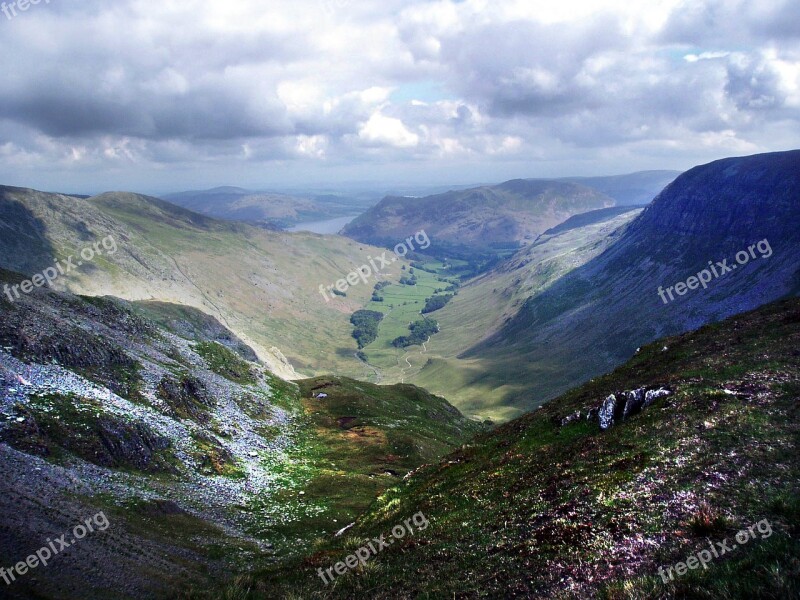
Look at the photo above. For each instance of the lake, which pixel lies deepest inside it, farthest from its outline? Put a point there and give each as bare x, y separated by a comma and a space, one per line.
325, 227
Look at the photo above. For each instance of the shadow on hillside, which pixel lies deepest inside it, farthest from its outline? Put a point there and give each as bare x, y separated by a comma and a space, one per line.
594, 318
24, 247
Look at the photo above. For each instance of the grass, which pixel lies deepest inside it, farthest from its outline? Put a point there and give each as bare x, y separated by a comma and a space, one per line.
536, 509
347, 449
401, 306
226, 363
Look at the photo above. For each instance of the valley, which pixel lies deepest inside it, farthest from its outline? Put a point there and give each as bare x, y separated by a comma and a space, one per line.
193, 450
241, 431
422, 300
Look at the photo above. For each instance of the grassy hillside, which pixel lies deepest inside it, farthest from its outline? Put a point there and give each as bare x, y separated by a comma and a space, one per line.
483, 306
262, 285
550, 506
349, 446
480, 221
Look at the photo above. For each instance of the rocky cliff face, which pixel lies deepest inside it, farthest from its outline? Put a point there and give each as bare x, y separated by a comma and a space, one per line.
736, 219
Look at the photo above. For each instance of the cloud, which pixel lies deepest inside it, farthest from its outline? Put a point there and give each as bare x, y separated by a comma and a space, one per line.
383, 130
132, 90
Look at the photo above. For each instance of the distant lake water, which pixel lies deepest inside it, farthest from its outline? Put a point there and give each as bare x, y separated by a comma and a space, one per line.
324, 227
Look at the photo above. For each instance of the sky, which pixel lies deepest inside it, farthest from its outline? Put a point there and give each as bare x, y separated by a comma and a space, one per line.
169, 95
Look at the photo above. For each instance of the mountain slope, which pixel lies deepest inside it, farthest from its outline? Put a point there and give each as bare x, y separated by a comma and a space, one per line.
262, 285
551, 506
202, 460
480, 220
594, 318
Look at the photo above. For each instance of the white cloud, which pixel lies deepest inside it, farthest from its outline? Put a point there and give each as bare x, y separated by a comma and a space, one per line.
388, 131
692, 58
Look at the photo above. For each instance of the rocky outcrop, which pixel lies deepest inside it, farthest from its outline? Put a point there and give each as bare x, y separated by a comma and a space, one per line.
188, 397
106, 441
618, 407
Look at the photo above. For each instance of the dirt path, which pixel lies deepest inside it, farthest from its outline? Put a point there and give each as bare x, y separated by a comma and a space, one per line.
408, 362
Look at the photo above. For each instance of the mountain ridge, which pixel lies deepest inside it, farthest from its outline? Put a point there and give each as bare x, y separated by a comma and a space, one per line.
705, 215
479, 220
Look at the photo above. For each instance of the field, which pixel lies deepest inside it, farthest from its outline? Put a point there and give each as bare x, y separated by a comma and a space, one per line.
401, 306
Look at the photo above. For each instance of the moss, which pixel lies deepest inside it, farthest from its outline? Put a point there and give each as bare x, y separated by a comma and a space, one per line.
226, 363
214, 459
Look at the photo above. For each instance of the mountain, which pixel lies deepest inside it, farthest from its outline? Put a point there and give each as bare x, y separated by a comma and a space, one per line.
198, 458
271, 208
553, 506
263, 285
739, 212
632, 189
484, 220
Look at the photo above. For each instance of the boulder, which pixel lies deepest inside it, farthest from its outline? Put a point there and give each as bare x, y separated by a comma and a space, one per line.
622, 405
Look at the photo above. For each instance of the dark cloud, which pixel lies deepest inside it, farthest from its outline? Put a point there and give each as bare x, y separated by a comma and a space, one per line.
213, 87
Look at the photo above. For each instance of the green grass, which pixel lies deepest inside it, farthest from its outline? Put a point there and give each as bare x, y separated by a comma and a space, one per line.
347, 449
535, 509
226, 363
402, 305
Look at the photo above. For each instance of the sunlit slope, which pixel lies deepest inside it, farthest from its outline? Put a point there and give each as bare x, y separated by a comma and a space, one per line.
263, 285
551, 506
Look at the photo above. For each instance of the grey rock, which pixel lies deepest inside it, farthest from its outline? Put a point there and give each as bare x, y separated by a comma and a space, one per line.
622, 405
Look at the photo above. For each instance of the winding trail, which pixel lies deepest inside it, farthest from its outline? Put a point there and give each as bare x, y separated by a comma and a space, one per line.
408, 362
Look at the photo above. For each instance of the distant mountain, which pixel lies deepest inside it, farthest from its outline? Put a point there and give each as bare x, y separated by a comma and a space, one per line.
478, 220
594, 317
280, 210
633, 189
